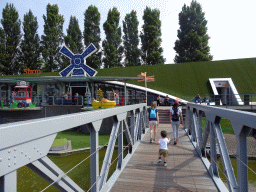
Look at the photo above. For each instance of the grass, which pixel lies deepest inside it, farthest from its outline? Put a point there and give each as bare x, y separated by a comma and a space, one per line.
186, 78
225, 125
59, 142
80, 139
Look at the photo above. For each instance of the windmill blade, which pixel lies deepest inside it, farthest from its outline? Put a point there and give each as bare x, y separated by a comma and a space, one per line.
89, 50
65, 72
65, 51
89, 70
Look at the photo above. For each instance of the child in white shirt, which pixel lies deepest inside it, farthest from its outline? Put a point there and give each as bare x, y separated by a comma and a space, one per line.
163, 150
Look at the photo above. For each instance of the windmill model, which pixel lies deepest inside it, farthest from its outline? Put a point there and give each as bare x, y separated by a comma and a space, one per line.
78, 66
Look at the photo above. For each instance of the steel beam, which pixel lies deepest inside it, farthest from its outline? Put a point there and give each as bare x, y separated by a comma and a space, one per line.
108, 155
46, 169
94, 159
242, 161
8, 182
120, 146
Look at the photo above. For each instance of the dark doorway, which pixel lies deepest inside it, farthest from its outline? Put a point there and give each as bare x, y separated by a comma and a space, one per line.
80, 90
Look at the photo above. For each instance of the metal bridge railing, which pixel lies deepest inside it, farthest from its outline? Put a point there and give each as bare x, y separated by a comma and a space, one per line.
242, 123
27, 143
224, 99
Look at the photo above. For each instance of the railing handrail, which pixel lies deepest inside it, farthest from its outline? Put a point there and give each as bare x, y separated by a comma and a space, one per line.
241, 122
43, 127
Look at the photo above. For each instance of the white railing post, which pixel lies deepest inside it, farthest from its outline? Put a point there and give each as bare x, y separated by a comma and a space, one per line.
213, 152
242, 161
120, 146
94, 159
132, 125
8, 182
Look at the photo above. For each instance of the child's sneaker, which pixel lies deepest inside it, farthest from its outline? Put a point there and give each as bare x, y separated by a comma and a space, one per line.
159, 160
151, 140
165, 164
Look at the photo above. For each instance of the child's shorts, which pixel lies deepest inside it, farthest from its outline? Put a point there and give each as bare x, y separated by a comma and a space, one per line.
163, 152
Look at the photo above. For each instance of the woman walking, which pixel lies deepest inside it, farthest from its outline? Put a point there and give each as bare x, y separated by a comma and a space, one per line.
153, 120
175, 115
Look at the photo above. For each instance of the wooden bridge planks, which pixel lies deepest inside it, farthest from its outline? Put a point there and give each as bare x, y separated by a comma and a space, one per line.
184, 172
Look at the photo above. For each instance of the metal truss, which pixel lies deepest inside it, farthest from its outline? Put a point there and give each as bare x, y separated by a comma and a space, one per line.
27, 143
242, 123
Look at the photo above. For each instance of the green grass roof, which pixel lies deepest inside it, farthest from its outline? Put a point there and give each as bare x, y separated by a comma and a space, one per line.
189, 78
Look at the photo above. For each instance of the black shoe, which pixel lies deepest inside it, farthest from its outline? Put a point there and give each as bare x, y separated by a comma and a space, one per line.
175, 142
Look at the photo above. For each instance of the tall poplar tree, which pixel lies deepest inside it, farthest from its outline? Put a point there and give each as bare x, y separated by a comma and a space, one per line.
10, 36
192, 43
151, 38
112, 48
92, 35
30, 45
52, 38
131, 39
73, 40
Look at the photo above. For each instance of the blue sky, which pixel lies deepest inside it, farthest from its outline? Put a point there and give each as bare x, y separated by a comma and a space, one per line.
231, 24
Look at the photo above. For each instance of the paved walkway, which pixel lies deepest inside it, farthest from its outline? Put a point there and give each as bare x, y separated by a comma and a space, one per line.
184, 172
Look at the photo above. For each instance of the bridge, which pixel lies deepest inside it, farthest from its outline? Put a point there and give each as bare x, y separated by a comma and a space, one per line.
27, 143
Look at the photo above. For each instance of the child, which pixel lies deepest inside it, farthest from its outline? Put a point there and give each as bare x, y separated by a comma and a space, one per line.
153, 120
163, 150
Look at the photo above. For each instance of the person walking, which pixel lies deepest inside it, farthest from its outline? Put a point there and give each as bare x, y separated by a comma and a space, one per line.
153, 120
175, 116
158, 100
163, 149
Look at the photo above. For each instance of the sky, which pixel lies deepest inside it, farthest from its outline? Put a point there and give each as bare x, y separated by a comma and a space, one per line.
231, 23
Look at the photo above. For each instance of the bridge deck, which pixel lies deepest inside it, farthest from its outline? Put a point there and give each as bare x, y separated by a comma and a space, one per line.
184, 172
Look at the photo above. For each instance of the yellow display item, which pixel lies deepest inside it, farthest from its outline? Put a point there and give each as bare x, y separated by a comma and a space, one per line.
105, 105
108, 104
96, 104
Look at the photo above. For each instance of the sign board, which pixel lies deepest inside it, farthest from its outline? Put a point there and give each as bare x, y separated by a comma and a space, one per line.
77, 65
221, 84
28, 71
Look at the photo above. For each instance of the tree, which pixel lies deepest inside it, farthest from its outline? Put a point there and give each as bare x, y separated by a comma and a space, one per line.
192, 43
73, 40
131, 40
151, 38
112, 48
10, 36
30, 45
92, 35
53, 38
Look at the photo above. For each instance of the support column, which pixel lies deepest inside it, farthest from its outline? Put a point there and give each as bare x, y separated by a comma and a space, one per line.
132, 125
8, 182
120, 146
140, 123
200, 138
242, 161
94, 160
213, 151
193, 116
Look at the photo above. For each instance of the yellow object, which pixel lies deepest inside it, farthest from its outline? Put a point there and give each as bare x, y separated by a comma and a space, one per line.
105, 105
108, 104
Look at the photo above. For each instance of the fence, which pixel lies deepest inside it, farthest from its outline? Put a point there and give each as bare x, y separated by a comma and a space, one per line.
242, 123
27, 144
225, 99
39, 101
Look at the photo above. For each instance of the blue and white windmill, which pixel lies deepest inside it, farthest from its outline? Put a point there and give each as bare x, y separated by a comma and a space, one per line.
78, 66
